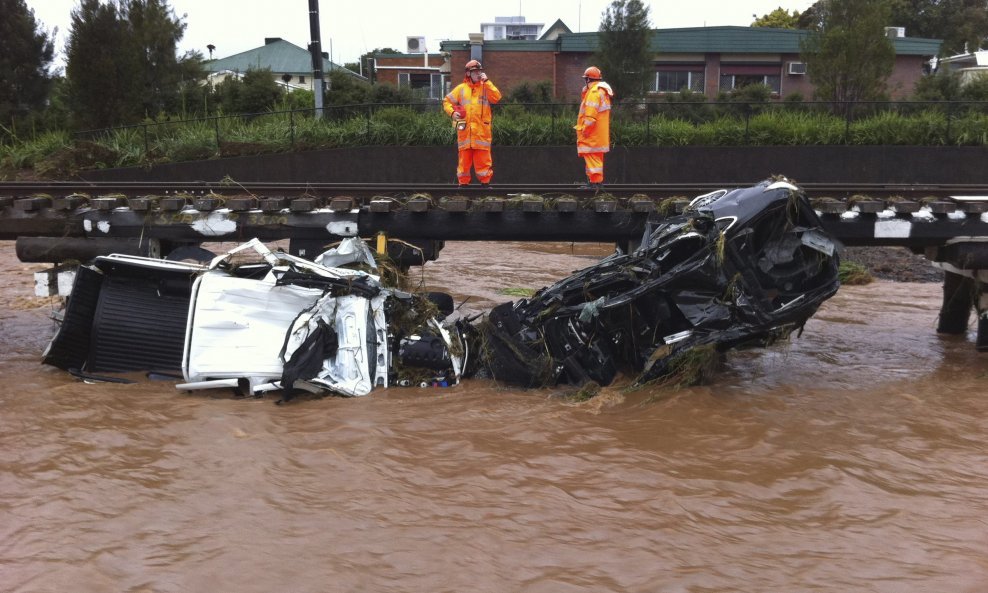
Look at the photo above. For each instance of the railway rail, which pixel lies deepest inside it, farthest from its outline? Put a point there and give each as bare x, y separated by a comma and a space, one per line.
180, 214
23, 189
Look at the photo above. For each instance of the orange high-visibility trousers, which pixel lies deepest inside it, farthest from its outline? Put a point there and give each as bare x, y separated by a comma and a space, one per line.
594, 163
481, 162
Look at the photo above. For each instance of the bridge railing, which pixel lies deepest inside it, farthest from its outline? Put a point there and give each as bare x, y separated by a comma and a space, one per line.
634, 123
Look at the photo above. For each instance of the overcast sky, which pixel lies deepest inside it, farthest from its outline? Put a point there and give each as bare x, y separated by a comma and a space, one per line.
354, 27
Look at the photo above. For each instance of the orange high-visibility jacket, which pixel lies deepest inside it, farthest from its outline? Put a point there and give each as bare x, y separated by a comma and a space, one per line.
477, 100
593, 125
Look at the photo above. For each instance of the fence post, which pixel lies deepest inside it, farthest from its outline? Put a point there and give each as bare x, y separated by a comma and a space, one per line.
950, 110
147, 151
291, 127
648, 123
747, 120
553, 112
368, 118
847, 123
216, 128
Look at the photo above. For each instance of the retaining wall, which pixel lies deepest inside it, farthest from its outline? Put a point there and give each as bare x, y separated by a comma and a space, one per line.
560, 165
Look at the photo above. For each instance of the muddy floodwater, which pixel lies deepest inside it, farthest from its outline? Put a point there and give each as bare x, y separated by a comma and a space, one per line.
851, 459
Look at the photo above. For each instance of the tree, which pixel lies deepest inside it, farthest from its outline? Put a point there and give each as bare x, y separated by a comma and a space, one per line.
848, 56
531, 92
942, 86
346, 90
778, 19
624, 56
101, 67
256, 92
962, 24
156, 32
26, 52
122, 64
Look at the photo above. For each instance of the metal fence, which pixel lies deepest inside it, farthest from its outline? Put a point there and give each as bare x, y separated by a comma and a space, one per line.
561, 117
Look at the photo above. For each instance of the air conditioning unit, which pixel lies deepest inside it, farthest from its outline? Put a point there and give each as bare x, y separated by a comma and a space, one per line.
893, 32
416, 45
797, 68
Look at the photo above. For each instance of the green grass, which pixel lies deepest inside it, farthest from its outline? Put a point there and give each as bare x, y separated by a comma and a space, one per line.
51, 154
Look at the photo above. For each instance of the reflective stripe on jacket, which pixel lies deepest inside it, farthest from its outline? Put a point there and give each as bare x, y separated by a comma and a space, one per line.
595, 106
477, 100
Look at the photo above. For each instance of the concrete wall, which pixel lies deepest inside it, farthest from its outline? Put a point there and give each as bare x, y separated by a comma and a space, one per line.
560, 165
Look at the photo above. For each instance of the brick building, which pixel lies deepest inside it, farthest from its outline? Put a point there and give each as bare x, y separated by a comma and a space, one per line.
704, 59
418, 71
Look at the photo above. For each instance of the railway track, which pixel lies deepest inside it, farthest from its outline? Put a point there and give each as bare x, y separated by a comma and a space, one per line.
192, 213
55, 189
61, 221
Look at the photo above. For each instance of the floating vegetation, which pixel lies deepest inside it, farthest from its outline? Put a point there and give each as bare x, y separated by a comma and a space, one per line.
586, 392
689, 368
854, 274
517, 292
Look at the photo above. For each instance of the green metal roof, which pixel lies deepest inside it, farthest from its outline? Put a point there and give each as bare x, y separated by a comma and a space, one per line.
504, 45
723, 40
279, 56
391, 55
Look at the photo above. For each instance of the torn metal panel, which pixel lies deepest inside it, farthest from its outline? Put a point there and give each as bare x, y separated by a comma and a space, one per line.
124, 313
237, 326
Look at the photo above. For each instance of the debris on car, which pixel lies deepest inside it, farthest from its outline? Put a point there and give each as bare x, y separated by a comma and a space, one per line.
738, 268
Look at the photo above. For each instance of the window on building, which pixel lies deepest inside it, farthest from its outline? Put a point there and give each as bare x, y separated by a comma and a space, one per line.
729, 82
301, 80
735, 76
428, 83
673, 81
522, 32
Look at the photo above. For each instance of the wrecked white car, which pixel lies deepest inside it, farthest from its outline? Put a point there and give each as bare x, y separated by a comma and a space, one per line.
270, 322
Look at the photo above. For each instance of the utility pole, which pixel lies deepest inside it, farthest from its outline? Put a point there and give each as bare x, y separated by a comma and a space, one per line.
315, 49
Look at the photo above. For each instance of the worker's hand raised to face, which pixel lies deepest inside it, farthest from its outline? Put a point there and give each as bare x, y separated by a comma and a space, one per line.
483, 77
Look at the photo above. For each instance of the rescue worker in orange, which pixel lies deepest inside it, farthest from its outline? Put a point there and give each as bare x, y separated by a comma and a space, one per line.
469, 104
593, 125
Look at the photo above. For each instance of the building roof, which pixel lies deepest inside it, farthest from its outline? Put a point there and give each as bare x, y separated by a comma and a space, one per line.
555, 30
977, 58
399, 55
724, 40
276, 54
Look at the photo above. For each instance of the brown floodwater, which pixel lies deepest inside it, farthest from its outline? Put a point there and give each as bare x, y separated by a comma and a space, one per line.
852, 458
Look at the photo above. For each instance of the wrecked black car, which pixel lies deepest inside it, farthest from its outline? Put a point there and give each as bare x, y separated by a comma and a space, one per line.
738, 268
